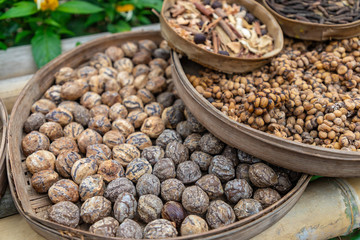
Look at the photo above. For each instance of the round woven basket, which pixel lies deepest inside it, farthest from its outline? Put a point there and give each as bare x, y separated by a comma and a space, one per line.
3, 130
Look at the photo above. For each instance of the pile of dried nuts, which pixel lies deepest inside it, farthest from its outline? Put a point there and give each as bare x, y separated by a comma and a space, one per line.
309, 94
113, 147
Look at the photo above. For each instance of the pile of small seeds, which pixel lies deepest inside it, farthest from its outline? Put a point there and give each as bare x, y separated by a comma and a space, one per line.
114, 148
309, 94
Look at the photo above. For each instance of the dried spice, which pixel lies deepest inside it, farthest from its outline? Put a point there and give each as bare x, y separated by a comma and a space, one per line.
65, 213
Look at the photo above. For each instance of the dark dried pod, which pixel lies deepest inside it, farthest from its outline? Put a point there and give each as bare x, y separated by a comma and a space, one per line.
199, 38
237, 189
149, 207
172, 189
164, 169
246, 158
153, 154
34, 122
231, 153
172, 116
196, 127
211, 184
118, 186
148, 184
125, 206
210, 144
174, 212
129, 229
242, 172
220, 214
65, 213
161, 53
222, 167
247, 207
177, 152
167, 136
82, 115
183, 129
284, 184
261, 175
266, 196
94, 209
192, 142
202, 159
188, 172
195, 200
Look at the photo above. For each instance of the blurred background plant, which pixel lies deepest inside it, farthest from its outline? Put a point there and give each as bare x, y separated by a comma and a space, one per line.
42, 23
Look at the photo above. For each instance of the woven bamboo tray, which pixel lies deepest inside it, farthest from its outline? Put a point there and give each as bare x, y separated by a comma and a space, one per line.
220, 62
33, 206
3, 129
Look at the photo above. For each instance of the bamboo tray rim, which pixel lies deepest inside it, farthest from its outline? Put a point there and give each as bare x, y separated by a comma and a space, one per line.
4, 126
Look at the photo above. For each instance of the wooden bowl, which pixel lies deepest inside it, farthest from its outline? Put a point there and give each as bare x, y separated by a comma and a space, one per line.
314, 31
33, 206
3, 130
217, 61
288, 154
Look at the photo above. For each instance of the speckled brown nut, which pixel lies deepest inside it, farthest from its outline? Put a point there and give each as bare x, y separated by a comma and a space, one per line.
247, 207
210, 144
183, 129
192, 142
141, 57
266, 196
110, 98
195, 200
238, 189
64, 162
153, 109
91, 186
126, 80
177, 152
64, 75
196, 127
59, 115
193, 224
137, 117
33, 122
99, 152
188, 172
231, 153
69, 105
168, 72
34, 141
99, 60
65, 213
156, 84
74, 90
242, 171
145, 95
171, 116
43, 180
158, 62
40, 160
101, 124
83, 168
164, 169
113, 138
97, 84
53, 94
174, 212
136, 168
220, 214
114, 53
153, 126
129, 49
124, 64
261, 175
64, 190
222, 167
117, 111
246, 158
202, 159
284, 184
148, 184
117, 186
95, 209
172, 189
88, 137
147, 45
149, 207
73, 130
90, 100
87, 72
168, 136
125, 153
63, 144
98, 110
125, 206
211, 184
52, 130
110, 170
157, 73
82, 115
129, 229
105, 227
133, 102
159, 229
123, 126
43, 106
139, 140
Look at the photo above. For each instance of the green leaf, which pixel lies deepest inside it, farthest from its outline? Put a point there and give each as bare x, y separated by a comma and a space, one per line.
21, 35
64, 30
52, 22
121, 26
3, 46
313, 178
77, 44
79, 7
20, 9
110, 12
94, 18
143, 19
46, 45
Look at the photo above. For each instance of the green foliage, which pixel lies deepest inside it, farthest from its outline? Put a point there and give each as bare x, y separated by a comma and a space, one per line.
20, 9
79, 7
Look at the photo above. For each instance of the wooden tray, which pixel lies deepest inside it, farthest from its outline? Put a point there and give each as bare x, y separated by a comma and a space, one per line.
33, 206
314, 31
3, 130
220, 62
288, 154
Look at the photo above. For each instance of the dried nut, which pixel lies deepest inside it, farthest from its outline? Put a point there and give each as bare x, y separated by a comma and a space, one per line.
100, 60
95, 209
231, 153
284, 184
222, 167
192, 142
139, 140
141, 57
167, 136
105, 227
210, 144
195, 200
72, 130
183, 129
117, 111
124, 78
129, 49
211, 185
140, 81
63, 144
168, 72
158, 62
33, 142
220, 214
102, 110
34, 122
96, 84
261, 175
40, 160
153, 126
90, 100
156, 73
246, 158
59, 115
153, 109
82, 115
83, 168
193, 224
43, 106
64, 190
109, 73
74, 90
114, 53
171, 116
266, 196
123, 126
177, 152
172, 190
118, 186
161, 53
101, 124
199, 38
91, 186
153, 154
69, 105
156, 84
242, 171
110, 170
110, 98
166, 99
159, 229
65, 213
133, 102
64, 162
174, 212
125, 207
64, 75
188, 172
88, 137
149, 207
129, 229
52, 96
124, 64
140, 69
164, 169
113, 138
145, 95
99, 152
148, 184
43, 180
202, 159
247, 207
196, 127
125, 153
137, 117
238, 189
147, 45
136, 168
86, 72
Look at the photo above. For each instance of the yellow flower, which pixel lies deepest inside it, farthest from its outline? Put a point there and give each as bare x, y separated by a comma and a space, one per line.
125, 8
47, 4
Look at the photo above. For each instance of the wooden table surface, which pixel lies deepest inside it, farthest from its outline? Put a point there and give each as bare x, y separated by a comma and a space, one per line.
16, 228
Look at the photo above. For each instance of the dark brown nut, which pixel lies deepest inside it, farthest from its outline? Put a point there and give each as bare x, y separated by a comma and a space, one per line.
101, 124
99, 152
196, 127
65, 213
83, 168
100, 110
172, 116
125, 153
133, 102
140, 82
139, 140
64, 75
193, 224
129, 229
137, 117
149, 207
64, 162
110, 170
158, 62
231, 153
172, 189
188, 172
222, 167
63, 144
82, 115
161, 53
159, 229
118, 186
34, 141
211, 184
145, 95
166, 99
88, 137
59, 115
195, 200
177, 152
242, 172
105, 227
153, 126
53, 94
43, 180
117, 111
168, 72
174, 212
261, 175
153, 154
192, 142
147, 45
113, 138
202, 159
87, 72
148, 184
247, 207
74, 90
167, 136
124, 126
153, 109
156, 84
129, 49
114, 53
140, 69
125, 206
141, 57
266, 196
69, 105
155, 73
284, 184
124, 64
95, 209
246, 158
220, 214
110, 98
64, 190
52, 130
238, 189
90, 100
100, 60
34, 122
183, 129
210, 144
43, 106
73, 130
97, 84
91, 186
125, 79
164, 169
40, 160
136, 168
